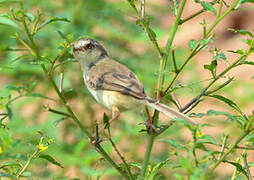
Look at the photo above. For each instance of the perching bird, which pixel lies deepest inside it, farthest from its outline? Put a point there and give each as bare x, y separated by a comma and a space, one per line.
112, 84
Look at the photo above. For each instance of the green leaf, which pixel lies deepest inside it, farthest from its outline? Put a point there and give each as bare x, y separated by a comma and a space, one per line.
51, 21
249, 63
198, 115
250, 137
9, 111
40, 96
242, 32
237, 119
238, 167
251, 164
211, 67
192, 43
106, 121
239, 51
9, 22
20, 57
152, 33
137, 165
58, 121
172, 142
208, 7
227, 101
30, 16
209, 139
51, 159
222, 56
156, 169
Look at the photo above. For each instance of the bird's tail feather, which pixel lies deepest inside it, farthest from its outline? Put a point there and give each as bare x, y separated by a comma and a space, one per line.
170, 112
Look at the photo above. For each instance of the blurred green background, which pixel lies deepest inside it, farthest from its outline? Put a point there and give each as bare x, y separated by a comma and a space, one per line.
112, 23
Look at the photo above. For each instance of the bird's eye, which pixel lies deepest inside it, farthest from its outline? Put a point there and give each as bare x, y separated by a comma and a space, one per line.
89, 46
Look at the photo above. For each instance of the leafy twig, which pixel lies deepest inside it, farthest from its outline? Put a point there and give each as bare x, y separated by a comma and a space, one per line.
74, 117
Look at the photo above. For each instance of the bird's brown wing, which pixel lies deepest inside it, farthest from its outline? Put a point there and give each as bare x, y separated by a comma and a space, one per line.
108, 74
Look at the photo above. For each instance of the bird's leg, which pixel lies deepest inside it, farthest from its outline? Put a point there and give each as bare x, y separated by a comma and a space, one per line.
115, 116
150, 126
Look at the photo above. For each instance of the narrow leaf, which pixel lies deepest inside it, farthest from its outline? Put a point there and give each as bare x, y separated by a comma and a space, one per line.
208, 6
9, 22
172, 142
106, 121
249, 63
242, 32
156, 169
40, 96
227, 101
238, 167
9, 111
51, 159
51, 21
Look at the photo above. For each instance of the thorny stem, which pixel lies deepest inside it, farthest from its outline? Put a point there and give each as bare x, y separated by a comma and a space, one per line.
74, 117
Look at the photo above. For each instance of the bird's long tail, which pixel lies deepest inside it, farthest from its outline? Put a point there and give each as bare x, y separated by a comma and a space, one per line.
170, 112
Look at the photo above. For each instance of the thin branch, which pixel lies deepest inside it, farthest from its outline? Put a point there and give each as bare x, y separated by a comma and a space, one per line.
174, 60
160, 83
191, 16
74, 117
120, 155
223, 146
246, 166
230, 150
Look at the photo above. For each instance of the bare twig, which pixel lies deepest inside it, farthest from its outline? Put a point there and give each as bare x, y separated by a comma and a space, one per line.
246, 166
224, 143
120, 155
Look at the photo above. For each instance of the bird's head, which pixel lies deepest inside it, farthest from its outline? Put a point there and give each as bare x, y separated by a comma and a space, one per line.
87, 51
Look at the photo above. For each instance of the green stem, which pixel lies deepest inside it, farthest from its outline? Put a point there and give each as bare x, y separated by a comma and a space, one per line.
230, 9
193, 52
28, 163
220, 8
230, 150
174, 61
197, 48
74, 117
161, 78
169, 44
191, 16
121, 157
147, 155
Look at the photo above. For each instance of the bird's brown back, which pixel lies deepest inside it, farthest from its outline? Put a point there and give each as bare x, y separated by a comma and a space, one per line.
108, 74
